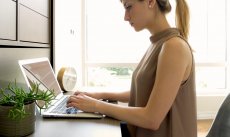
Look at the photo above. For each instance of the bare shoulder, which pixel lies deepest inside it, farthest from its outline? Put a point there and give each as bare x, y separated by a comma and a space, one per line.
177, 51
177, 45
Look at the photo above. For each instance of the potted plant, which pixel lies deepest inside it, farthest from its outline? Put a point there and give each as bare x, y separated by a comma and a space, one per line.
17, 108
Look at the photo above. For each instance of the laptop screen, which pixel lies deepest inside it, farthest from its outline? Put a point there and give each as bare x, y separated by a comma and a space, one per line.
40, 71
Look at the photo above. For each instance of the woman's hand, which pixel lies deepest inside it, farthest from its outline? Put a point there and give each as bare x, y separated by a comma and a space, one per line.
90, 94
82, 102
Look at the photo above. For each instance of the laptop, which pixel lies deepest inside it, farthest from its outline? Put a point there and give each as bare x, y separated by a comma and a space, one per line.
39, 70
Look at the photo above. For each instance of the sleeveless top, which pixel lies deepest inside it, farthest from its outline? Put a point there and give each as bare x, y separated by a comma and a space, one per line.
181, 119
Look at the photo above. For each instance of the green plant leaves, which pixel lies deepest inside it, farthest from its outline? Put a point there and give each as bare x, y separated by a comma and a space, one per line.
18, 97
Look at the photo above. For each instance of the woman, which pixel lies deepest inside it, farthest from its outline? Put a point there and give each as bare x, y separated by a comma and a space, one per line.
162, 99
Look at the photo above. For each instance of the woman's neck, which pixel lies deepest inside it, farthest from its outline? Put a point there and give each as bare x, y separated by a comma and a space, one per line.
160, 23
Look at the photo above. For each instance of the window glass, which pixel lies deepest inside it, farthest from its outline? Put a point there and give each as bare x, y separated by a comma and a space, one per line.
109, 77
208, 30
211, 77
109, 37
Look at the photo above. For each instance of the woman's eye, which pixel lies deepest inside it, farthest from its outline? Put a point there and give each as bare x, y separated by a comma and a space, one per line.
128, 7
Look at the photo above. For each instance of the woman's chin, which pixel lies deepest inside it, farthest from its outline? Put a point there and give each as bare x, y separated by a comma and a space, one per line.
138, 29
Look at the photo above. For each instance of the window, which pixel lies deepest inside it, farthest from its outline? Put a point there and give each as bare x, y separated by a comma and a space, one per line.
208, 37
113, 48
104, 49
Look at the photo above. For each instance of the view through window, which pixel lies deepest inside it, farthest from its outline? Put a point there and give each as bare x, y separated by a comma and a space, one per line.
113, 48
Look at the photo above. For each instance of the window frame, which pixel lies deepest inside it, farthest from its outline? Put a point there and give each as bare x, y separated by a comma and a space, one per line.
207, 103
86, 64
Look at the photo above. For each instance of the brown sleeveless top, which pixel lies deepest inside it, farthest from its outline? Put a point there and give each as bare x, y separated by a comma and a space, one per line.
181, 118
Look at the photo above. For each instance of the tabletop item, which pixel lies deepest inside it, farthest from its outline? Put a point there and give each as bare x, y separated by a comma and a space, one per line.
40, 71
67, 78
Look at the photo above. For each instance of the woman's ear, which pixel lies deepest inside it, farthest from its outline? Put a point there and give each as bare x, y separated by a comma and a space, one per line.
151, 3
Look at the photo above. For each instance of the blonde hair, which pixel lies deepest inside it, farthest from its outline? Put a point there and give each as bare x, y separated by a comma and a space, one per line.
182, 14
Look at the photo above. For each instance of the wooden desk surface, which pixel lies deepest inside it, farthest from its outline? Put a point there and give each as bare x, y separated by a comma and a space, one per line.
63, 127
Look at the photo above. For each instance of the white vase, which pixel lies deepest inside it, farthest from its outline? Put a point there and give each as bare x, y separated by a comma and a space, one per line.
23, 127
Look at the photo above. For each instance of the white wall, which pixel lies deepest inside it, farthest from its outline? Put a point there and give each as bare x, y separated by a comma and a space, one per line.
208, 105
67, 36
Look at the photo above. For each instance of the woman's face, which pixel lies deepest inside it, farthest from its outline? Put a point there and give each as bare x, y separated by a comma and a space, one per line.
138, 13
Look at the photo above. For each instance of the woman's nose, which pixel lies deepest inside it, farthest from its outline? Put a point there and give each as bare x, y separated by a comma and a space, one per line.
126, 17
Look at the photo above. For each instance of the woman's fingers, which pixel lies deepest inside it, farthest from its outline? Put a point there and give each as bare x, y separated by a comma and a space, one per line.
73, 100
78, 92
82, 102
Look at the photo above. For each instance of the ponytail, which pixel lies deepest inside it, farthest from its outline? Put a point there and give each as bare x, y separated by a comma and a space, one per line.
182, 17
182, 14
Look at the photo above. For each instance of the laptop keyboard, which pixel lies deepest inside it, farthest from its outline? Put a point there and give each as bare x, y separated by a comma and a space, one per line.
62, 109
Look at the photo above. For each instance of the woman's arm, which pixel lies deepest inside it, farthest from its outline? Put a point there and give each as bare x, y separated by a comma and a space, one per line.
173, 62
118, 96
122, 96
